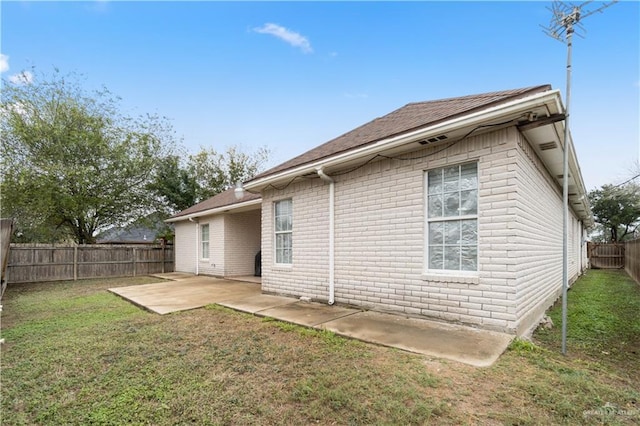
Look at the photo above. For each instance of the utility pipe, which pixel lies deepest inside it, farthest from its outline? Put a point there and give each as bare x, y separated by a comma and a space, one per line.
332, 197
197, 244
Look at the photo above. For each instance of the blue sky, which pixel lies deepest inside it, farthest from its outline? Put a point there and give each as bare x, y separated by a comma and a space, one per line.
292, 75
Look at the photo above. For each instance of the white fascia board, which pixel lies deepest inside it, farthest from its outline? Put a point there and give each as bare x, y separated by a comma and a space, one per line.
216, 210
476, 118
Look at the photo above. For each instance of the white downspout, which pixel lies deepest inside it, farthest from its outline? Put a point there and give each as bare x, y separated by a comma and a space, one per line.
326, 178
197, 244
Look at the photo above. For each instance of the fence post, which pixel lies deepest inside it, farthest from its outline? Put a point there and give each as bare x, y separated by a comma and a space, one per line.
75, 262
134, 261
163, 256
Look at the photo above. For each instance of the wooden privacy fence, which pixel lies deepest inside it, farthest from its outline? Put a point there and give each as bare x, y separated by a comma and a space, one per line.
632, 259
30, 263
606, 255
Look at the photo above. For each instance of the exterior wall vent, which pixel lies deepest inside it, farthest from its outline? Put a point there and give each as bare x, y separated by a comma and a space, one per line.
547, 146
432, 140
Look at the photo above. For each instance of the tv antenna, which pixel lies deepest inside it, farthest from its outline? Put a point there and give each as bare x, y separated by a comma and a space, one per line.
566, 21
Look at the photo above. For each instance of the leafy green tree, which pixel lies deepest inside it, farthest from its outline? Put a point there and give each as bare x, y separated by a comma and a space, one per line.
215, 172
617, 209
72, 164
175, 187
203, 175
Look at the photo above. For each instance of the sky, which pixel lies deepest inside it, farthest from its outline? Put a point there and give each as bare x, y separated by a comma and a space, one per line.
292, 75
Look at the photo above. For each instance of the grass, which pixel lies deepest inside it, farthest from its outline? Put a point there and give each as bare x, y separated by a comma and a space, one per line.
603, 320
76, 354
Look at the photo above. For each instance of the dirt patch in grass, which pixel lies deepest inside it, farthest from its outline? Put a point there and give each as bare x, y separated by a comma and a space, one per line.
76, 354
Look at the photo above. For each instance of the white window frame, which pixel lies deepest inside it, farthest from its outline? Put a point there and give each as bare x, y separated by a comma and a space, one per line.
285, 232
204, 243
448, 274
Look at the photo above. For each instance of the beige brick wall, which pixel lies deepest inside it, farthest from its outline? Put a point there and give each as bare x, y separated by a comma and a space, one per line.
234, 240
308, 275
214, 264
539, 241
242, 237
185, 246
380, 237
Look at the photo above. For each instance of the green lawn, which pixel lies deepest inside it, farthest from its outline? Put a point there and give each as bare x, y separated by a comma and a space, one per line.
76, 354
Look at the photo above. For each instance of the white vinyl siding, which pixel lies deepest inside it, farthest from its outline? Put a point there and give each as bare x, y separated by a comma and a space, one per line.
283, 231
204, 241
452, 218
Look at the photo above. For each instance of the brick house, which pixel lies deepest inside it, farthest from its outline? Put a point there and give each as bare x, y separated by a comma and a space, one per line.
448, 209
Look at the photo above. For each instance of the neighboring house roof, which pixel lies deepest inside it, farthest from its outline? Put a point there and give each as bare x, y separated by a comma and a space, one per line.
128, 235
224, 201
410, 117
143, 231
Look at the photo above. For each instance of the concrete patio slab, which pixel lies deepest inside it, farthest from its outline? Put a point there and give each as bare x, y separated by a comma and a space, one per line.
476, 347
480, 348
185, 294
307, 313
174, 275
260, 302
245, 278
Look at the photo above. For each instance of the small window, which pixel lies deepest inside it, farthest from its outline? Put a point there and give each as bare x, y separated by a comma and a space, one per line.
452, 218
283, 231
204, 241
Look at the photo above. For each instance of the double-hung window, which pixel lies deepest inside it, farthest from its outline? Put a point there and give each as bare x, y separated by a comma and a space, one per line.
452, 218
283, 210
204, 241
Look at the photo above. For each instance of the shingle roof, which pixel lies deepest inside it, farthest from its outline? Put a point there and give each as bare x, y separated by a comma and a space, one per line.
226, 198
410, 117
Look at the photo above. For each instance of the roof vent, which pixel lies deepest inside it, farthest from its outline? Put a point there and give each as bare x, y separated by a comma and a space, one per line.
547, 146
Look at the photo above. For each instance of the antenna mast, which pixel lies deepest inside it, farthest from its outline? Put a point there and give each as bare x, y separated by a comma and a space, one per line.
564, 22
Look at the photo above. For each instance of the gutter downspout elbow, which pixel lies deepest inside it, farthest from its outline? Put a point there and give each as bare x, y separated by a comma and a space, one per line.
332, 197
197, 244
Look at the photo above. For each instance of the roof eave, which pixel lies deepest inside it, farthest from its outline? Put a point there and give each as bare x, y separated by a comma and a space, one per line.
553, 161
216, 210
471, 119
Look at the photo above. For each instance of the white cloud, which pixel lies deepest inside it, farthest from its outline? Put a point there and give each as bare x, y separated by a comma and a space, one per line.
25, 77
293, 38
4, 62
